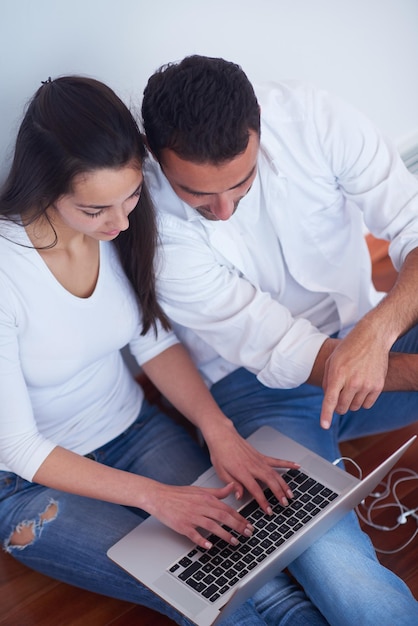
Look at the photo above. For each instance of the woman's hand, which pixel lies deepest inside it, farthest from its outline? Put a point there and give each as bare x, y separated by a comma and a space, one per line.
188, 509
237, 461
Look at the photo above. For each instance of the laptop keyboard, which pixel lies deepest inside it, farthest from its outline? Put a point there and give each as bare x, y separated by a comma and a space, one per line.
212, 573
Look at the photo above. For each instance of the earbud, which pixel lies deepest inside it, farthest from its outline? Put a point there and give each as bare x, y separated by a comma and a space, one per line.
403, 518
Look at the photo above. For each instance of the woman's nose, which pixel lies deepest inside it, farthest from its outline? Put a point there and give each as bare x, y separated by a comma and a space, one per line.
119, 220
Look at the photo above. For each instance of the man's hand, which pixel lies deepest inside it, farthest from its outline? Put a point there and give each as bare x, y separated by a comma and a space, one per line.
355, 370
354, 374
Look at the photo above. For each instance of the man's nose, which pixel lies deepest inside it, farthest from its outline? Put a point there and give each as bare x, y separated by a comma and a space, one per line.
224, 207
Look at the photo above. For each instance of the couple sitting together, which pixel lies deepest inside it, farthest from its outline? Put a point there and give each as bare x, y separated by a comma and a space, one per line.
220, 237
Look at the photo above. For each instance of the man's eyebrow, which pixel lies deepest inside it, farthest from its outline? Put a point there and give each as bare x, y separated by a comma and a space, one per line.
212, 193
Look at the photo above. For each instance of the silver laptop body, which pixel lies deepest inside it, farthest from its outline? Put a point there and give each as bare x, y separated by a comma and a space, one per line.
154, 554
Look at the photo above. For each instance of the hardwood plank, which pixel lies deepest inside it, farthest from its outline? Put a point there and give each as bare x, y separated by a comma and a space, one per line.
27, 598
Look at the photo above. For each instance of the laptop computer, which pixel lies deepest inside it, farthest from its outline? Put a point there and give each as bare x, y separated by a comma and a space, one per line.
208, 585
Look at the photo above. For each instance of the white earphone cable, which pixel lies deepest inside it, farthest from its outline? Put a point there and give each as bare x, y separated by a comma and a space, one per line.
385, 490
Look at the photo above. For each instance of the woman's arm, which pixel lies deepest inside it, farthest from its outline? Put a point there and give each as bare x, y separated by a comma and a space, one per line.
184, 509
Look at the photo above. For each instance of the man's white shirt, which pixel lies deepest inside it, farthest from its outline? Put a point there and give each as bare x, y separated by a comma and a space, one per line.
264, 289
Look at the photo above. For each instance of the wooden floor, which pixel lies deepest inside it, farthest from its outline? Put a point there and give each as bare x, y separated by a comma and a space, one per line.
30, 599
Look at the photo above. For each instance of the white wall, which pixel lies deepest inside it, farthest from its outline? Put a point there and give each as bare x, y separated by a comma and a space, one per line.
363, 50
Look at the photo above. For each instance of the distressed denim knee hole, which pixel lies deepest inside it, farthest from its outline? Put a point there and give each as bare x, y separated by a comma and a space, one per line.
27, 531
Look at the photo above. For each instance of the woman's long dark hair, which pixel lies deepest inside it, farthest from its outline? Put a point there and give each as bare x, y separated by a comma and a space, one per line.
136, 247
73, 125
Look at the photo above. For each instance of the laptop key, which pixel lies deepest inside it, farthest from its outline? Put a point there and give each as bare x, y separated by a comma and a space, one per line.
194, 584
207, 593
189, 571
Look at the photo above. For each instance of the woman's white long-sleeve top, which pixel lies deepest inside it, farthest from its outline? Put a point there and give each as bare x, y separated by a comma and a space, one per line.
323, 171
63, 380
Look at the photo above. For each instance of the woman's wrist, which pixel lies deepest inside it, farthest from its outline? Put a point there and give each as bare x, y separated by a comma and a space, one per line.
217, 428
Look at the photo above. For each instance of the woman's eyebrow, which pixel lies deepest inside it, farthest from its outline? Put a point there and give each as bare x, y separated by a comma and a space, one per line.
107, 206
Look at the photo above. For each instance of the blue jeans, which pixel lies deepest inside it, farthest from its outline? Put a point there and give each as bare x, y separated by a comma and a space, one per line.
339, 572
72, 545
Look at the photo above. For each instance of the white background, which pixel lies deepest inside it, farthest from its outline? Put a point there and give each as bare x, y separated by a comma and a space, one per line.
363, 50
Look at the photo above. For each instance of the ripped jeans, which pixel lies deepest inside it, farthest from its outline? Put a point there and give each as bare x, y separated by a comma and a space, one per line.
67, 536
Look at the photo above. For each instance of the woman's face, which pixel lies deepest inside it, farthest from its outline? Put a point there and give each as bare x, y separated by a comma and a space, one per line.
100, 202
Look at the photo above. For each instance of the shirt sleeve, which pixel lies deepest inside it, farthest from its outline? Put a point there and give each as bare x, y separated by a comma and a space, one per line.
244, 325
22, 448
146, 347
369, 171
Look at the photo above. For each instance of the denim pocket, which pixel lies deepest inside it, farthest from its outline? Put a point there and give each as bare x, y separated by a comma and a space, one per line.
10, 484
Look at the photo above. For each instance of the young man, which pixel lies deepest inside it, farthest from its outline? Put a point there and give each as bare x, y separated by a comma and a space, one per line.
265, 274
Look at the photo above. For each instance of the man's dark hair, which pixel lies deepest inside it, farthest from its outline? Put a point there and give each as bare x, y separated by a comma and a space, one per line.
202, 108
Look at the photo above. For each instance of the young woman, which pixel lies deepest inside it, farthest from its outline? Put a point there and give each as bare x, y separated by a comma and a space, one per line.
84, 458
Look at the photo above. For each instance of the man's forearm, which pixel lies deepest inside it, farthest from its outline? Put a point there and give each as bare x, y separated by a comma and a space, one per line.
398, 311
402, 372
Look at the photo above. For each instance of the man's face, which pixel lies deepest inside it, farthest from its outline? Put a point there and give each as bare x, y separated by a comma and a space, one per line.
213, 190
